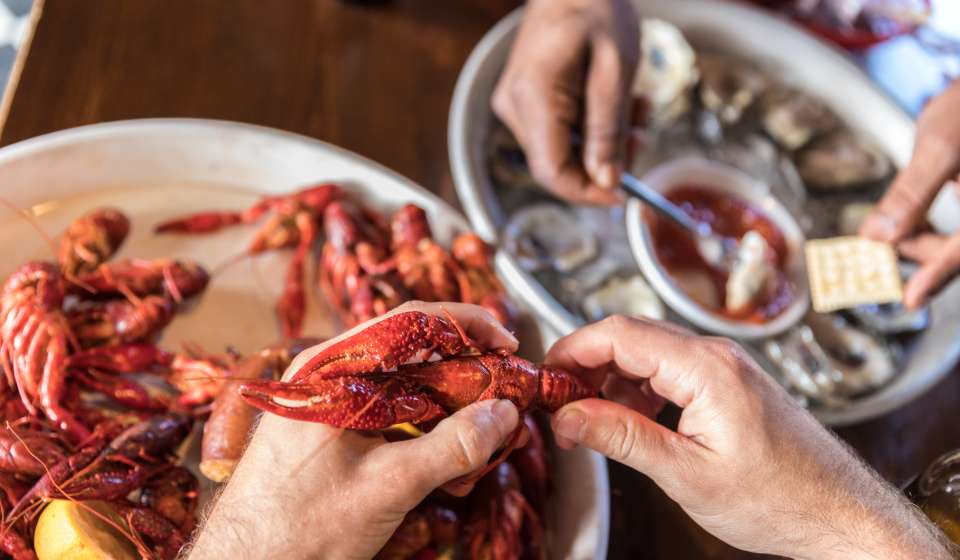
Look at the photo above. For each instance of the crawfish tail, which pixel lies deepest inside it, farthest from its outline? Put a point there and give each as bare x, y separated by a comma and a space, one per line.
225, 432
457, 382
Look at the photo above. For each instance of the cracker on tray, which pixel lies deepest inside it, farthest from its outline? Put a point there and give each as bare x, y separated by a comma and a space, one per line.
849, 271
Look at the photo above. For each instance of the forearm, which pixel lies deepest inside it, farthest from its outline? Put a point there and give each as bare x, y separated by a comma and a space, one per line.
876, 522
246, 523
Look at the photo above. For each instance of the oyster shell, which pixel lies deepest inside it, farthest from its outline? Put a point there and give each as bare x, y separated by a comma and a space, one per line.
852, 217
793, 118
667, 70
863, 362
840, 161
546, 235
627, 295
728, 86
751, 273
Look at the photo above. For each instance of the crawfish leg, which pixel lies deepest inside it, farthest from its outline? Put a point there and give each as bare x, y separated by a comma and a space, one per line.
201, 222
292, 303
356, 403
52, 388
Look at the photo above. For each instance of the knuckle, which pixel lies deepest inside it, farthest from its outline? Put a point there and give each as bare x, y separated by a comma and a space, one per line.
467, 449
620, 440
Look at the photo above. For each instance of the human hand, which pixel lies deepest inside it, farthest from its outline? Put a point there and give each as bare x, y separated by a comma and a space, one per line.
902, 211
572, 66
747, 463
307, 490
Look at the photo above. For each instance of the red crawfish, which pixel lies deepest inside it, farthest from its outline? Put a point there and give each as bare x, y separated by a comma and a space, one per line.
421, 532
350, 265
316, 197
120, 321
91, 239
110, 472
25, 451
366, 382
479, 283
180, 279
294, 222
34, 342
502, 524
426, 268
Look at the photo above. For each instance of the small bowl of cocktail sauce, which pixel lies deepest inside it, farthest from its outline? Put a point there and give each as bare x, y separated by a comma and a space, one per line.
733, 204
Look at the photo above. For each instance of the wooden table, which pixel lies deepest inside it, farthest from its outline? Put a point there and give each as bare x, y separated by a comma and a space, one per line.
376, 80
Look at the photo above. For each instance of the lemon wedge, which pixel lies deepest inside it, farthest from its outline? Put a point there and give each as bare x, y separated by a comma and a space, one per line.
68, 531
408, 429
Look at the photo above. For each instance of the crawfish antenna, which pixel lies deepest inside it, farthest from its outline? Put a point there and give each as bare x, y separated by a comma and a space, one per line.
31, 219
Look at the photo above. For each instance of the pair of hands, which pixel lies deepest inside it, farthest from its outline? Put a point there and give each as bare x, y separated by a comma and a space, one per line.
572, 66
747, 463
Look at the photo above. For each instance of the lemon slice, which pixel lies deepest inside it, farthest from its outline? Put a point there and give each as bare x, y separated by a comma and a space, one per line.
408, 429
68, 531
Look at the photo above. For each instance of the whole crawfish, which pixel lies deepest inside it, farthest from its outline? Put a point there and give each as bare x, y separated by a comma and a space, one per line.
351, 275
34, 342
314, 197
426, 268
110, 472
503, 525
365, 382
142, 277
91, 239
119, 321
479, 283
294, 223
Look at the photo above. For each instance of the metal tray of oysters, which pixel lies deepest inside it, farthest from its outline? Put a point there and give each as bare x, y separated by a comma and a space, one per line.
724, 83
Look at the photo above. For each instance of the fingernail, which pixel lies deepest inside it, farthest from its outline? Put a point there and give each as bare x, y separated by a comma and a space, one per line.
608, 176
569, 424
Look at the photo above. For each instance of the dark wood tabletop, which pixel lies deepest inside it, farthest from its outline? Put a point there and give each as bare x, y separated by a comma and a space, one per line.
377, 79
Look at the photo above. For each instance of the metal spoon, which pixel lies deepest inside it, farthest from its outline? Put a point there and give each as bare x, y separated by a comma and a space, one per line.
718, 251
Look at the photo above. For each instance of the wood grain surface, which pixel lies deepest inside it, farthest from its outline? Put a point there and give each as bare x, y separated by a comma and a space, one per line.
377, 79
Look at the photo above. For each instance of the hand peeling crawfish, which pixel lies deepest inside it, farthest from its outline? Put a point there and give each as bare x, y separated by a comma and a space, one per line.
366, 381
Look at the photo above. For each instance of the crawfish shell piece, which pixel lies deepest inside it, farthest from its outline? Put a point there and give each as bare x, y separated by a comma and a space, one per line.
546, 236
842, 161
627, 295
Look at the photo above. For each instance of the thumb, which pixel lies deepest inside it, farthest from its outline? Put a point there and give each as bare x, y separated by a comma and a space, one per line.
459, 445
622, 434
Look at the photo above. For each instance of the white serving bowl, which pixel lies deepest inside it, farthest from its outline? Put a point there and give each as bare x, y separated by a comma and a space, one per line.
159, 168
723, 178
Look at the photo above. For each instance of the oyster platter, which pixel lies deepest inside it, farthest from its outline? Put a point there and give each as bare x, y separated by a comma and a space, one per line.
694, 102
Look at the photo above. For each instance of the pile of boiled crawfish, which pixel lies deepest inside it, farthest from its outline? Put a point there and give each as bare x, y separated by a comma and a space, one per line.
94, 410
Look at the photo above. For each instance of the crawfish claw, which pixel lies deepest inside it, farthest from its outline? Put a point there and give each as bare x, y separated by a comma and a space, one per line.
355, 403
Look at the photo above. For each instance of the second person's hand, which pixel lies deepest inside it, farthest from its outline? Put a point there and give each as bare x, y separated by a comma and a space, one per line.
747, 463
572, 67
902, 211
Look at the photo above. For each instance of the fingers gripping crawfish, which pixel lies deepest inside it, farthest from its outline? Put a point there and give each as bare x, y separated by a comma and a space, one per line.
352, 383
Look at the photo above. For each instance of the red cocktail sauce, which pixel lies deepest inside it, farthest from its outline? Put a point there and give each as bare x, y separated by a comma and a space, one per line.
728, 216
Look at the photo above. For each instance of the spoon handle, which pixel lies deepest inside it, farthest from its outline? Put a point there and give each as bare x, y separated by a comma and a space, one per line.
636, 187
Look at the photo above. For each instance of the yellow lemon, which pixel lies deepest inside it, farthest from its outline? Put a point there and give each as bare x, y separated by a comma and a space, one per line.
70, 531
